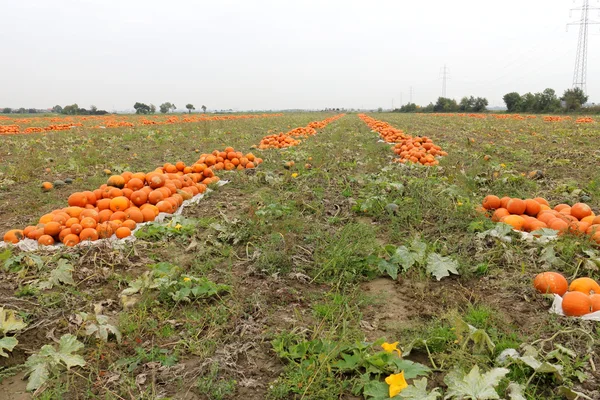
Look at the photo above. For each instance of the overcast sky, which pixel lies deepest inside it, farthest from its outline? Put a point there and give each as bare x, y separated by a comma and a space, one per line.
258, 54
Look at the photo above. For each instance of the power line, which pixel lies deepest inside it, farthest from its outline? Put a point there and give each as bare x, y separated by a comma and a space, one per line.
410, 95
580, 71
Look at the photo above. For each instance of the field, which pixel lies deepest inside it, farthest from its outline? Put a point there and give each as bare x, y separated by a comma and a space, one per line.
285, 282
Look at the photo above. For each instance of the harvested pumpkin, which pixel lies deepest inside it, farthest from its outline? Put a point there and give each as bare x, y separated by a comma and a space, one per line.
536, 213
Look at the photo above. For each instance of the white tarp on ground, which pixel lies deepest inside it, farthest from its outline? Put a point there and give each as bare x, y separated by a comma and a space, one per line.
113, 241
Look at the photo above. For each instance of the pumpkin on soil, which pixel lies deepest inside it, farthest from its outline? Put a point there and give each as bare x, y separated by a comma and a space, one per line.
116, 181
576, 304
581, 210
516, 206
47, 186
551, 282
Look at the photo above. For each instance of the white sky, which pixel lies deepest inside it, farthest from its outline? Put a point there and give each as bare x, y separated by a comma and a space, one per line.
259, 54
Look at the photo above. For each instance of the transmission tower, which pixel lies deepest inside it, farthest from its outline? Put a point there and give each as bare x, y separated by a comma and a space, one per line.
580, 72
444, 80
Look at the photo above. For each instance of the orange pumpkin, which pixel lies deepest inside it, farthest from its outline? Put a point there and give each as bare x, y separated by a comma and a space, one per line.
576, 304
551, 282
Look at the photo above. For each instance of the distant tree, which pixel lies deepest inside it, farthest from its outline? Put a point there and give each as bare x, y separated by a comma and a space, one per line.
73, 109
165, 107
408, 108
466, 104
380, 109
6, 110
428, 109
152, 108
32, 111
512, 101
203, 108
22, 110
574, 99
528, 102
57, 109
93, 109
481, 104
548, 101
141, 108
444, 104
190, 107
173, 107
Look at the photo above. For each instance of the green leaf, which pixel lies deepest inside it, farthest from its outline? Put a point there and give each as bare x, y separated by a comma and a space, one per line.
418, 391
348, 362
38, 375
69, 344
440, 266
548, 256
376, 390
10, 322
474, 386
404, 257
411, 369
418, 248
7, 343
388, 268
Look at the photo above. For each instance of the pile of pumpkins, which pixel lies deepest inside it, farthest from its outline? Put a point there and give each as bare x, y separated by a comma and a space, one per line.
125, 200
416, 149
229, 159
532, 214
579, 298
283, 140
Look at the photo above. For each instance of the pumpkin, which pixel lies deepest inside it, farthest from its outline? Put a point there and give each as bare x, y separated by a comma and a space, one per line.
595, 298
576, 304
491, 202
47, 186
13, 236
516, 206
551, 282
580, 210
515, 221
584, 285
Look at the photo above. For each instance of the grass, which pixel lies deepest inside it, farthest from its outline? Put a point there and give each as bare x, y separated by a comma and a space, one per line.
296, 252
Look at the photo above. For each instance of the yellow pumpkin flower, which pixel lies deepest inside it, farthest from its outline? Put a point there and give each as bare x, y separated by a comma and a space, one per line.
178, 226
186, 279
397, 383
391, 347
503, 165
295, 175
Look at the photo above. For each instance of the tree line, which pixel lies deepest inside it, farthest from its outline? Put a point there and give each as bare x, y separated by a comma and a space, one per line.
443, 104
546, 101
142, 108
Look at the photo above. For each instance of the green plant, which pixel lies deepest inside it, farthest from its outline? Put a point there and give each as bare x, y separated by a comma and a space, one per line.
49, 361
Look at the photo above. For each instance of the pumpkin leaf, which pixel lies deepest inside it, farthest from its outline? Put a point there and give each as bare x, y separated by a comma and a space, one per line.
440, 266
10, 322
411, 369
63, 273
516, 391
376, 390
49, 359
7, 343
418, 391
570, 394
474, 385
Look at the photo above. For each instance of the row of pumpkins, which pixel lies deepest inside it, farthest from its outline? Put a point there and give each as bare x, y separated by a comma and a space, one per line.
532, 214
282, 140
579, 298
408, 148
115, 208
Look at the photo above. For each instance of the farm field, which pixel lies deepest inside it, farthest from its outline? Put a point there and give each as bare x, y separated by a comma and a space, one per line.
300, 278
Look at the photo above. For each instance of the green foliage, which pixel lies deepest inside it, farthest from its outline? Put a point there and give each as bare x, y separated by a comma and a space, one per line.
176, 228
356, 364
49, 362
141, 108
574, 99
474, 385
163, 356
213, 386
444, 104
544, 102
403, 258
